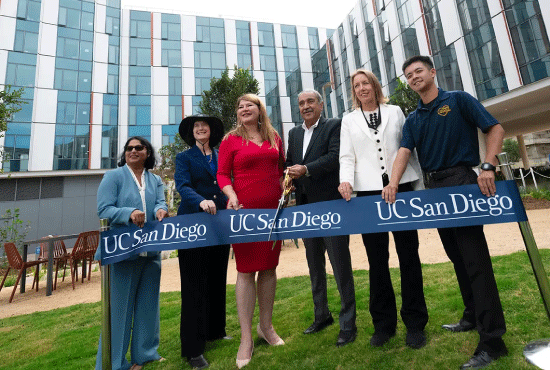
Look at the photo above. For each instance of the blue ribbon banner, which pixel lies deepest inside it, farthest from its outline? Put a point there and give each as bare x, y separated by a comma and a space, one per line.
434, 208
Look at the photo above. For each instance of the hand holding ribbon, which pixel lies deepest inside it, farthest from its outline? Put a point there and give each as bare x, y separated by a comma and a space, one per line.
287, 188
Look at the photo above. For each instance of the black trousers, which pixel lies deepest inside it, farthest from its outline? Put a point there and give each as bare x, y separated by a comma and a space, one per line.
382, 304
203, 274
337, 248
467, 249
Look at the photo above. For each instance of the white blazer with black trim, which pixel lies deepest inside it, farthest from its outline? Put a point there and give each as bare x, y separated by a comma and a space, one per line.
365, 154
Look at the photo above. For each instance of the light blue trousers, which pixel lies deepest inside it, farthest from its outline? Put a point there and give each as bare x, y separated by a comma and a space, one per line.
135, 287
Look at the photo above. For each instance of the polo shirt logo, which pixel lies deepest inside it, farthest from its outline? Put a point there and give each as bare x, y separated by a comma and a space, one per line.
444, 110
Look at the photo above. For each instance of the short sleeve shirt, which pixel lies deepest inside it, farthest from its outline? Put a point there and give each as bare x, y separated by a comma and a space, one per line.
444, 132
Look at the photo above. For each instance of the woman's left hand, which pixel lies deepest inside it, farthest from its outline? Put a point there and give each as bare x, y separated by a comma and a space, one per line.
161, 213
345, 190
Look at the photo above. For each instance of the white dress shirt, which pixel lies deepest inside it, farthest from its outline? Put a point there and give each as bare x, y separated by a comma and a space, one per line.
308, 132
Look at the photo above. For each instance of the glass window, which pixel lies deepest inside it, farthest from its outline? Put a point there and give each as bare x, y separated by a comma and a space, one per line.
529, 38
29, 10
171, 53
174, 86
139, 115
140, 28
243, 33
140, 85
313, 37
20, 75
26, 42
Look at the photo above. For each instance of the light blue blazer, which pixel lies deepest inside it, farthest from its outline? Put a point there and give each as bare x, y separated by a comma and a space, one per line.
118, 196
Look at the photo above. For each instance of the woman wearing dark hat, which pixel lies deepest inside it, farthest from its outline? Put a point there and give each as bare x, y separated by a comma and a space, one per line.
203, 271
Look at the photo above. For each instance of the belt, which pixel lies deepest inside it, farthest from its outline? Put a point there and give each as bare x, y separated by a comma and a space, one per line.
441, 174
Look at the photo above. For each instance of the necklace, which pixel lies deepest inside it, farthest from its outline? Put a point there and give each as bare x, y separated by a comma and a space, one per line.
375, 119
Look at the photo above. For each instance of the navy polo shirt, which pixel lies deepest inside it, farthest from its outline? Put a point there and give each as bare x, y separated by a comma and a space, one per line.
444, 132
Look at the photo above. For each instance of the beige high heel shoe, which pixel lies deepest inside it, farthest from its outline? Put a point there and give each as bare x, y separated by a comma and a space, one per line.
243, 363
279, 341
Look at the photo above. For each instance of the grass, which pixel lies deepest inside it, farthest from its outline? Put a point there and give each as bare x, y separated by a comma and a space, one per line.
67, 338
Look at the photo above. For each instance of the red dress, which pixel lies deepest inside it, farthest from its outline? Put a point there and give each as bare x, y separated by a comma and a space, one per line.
256, 180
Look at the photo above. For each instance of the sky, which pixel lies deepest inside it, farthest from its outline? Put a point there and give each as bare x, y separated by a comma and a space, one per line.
314, 13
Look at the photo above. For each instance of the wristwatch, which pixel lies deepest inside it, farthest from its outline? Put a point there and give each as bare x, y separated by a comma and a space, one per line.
307, 172
486, 166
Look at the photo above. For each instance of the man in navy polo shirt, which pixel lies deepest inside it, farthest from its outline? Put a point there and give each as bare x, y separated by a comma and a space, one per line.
443, 129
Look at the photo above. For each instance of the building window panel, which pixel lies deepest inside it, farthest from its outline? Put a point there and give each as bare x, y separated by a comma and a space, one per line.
174, 86
26, 42
529, 38
29, 10
20, 75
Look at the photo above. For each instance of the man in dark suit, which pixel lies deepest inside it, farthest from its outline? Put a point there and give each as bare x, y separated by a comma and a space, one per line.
312, 162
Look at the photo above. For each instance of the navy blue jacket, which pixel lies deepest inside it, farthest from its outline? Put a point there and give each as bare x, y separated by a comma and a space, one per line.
196, 181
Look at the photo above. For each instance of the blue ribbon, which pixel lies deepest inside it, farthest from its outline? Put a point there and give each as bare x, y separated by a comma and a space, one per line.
434, 208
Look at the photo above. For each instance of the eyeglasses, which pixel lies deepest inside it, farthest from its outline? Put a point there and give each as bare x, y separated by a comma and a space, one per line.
138, 148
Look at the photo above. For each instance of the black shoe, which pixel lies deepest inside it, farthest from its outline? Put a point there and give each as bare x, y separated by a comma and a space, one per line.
319, 325
381, 338
345, 337
198, 362
415, 339
461, 326
480, 360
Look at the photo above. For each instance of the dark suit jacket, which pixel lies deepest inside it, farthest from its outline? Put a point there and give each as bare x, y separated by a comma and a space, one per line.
196, 181
321, 159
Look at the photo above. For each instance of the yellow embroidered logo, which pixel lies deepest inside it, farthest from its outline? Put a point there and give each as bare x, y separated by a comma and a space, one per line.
443, 110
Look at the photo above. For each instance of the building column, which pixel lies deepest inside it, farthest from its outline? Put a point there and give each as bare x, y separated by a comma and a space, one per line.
523, 152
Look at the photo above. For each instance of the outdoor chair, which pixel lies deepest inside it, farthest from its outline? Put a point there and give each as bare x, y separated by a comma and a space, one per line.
83, 250
60, 255
16, 262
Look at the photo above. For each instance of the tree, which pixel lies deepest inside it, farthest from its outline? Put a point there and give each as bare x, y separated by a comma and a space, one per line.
168, 154
220, 100
404, 97
10, 103
511, 147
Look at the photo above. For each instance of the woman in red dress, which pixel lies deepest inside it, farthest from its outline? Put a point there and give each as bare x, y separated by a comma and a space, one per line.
250, 170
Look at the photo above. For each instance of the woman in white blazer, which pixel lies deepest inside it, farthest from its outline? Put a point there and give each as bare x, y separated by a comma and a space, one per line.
369, 140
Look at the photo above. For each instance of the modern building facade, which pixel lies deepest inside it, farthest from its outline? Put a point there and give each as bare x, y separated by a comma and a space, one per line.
95, 74
497, 50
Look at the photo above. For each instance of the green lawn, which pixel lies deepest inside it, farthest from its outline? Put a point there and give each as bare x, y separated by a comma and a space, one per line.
67, 338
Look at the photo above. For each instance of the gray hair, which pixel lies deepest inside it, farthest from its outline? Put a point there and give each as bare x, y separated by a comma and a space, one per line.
319, 97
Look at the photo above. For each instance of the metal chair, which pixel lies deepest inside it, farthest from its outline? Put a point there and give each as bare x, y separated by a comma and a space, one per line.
16, 262
60, 255
83, 250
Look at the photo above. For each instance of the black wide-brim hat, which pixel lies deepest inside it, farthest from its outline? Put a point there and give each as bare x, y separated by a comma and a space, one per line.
216, 129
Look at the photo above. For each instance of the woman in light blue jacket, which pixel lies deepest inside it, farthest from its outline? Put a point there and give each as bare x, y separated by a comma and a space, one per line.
132, 194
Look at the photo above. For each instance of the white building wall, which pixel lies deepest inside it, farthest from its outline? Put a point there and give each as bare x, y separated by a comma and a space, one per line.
96, 131
45, 71
3, 66
8, 8
7, 30
451, 22
464, 67
49, 11
157, 43
507, 54
41, 148
349, 47
159, 103
231, 59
